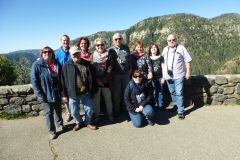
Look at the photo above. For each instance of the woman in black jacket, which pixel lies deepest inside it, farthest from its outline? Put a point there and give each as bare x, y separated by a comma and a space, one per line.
138, 99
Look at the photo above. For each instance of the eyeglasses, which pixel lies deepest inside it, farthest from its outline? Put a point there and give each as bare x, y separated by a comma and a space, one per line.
135, 76
116, 39
171, 40
47, 52
99, 45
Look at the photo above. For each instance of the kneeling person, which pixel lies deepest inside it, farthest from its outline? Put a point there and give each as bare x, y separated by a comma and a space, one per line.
77, 84
138, 99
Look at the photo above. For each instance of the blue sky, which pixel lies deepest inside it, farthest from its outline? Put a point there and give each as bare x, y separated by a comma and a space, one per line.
33, 24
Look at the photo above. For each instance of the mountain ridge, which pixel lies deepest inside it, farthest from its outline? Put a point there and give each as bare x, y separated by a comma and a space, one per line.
212, 42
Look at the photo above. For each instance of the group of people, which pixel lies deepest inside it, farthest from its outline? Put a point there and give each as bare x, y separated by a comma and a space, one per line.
128, 81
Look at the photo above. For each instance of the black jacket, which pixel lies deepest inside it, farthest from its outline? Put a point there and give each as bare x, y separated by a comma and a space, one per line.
130, 96
68, 80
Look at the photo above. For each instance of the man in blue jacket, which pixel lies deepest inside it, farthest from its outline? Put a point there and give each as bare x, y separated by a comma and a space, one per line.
62, 55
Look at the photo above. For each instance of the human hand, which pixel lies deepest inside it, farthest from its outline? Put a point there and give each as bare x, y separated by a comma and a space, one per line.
162, 81
65, 99
140, 108
187, 76
150, 75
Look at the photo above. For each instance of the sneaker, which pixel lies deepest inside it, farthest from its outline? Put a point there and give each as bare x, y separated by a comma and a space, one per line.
64, 128
150, 123
76, 127
68, 117
174, 109
111, 119
91, 126
181, 116
52, 136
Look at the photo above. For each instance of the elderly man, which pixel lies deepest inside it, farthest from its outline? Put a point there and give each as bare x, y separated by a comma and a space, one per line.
121, 71
176, 59
77, 85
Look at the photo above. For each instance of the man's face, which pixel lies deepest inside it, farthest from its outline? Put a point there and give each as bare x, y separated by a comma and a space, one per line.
117, 39
171, 40
65, 42
75, 57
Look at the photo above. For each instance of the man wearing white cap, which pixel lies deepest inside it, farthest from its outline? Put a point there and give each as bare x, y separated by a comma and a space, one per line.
77, 85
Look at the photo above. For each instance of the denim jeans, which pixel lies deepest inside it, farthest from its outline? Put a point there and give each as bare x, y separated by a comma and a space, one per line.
51, 110
107, 98
158, 91
138, 117
175, 87
74, 105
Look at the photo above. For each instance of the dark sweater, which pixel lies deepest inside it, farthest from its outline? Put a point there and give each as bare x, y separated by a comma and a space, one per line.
131, 93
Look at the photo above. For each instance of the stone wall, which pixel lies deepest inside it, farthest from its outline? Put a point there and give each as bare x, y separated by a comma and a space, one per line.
19, 99
199, 91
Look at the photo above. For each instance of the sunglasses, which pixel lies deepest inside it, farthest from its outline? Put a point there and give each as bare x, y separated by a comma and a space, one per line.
171, 40
100, 45
116, 39
135, 76
47, 52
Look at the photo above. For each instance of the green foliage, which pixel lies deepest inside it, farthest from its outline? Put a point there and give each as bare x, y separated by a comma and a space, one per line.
211, 42
13, 116
7, 73
22, 69
238, 102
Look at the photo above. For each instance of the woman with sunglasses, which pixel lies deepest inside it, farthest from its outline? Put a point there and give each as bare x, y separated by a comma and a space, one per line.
45, 78
138, 99
102, 62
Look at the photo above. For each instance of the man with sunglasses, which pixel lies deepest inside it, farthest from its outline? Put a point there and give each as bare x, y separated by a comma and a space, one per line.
121, 71
177, 61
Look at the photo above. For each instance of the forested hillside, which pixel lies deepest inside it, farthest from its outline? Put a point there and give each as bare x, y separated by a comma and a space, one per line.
211, 42
214, 44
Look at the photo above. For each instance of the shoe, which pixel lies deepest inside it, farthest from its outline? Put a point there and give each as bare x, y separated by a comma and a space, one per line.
68, 117
150, 123
76, 127
174, 109
52, 136
181, 116
111, 119
91, 126
64, 128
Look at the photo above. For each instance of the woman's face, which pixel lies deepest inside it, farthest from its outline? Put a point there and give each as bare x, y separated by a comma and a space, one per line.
83, 45
47, 55
139, 48
100, 47
137, 78
154, 50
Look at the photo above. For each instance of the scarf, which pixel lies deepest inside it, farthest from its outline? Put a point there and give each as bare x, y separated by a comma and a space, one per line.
137, 54
99, 62
85, 55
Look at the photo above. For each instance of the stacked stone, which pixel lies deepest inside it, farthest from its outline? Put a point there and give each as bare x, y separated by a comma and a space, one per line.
213, 90
19, 99
198, 91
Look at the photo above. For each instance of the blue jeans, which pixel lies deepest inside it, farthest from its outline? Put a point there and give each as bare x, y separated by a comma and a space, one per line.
136, 118
175, 87
158, 91
87, 102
